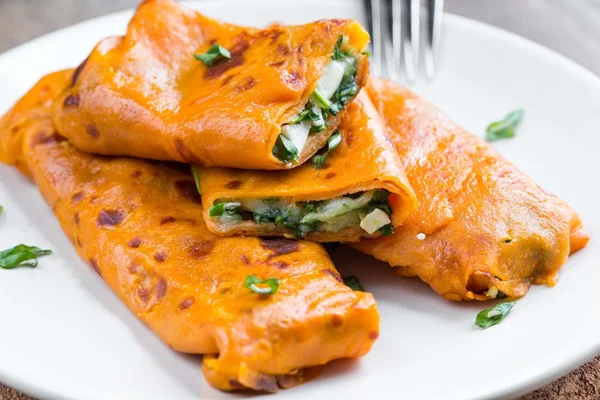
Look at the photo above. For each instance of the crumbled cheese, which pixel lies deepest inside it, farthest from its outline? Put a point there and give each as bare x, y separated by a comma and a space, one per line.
421, 236
374, 220
492, 292
493, 313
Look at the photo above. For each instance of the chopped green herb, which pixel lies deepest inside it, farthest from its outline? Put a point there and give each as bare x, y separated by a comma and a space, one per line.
353, 283
501, 295
506, 128
214, 55
338, 54
196, 174
367, 53
304, 115
321, 100
387, 230
21, 255
334, 141
224, 208
268, 286
344, 93
1, 209
285, 150
494, 315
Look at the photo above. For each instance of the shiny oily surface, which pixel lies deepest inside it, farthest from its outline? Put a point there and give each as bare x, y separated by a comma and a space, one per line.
428, 347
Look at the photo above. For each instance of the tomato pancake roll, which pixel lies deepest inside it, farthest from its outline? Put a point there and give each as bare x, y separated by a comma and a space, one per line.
266, 314
483, 228
183, 87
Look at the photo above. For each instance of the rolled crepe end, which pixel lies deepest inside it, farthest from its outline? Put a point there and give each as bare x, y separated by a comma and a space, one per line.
318, 140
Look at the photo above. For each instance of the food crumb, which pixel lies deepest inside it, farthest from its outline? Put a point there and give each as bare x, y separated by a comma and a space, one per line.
421, 236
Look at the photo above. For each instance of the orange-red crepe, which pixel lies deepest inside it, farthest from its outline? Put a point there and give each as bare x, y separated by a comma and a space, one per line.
145, 95
364, 161
140, 226
488, 228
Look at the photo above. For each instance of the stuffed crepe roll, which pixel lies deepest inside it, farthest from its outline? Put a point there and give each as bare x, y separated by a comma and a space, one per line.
261, 311
356, 188
483, 228
183, 87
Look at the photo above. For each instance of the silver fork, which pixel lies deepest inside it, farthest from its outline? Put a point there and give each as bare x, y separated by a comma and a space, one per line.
395, 27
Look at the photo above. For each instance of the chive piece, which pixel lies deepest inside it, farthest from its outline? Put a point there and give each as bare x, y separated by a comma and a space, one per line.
367, 53
499, 311
285, 150
387, 230
506, 128
353, 283
324, 103
21, 255
268, 286
501, 295
214, 55
304, 115
196, 174
223, 207
1, 209
337, 50
334, 141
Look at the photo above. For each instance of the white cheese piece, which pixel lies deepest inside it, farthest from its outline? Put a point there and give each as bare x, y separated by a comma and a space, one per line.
297, 133
421, 236
320, 121
332, 76
492, 292
374, 220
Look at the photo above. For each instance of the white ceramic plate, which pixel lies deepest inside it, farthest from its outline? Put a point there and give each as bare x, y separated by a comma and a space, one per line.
65, 335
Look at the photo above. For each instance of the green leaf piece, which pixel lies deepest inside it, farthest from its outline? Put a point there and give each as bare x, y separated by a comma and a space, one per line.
353, 283
332, 143
214, 55
21, 255
268, 286
494, 315
506, 128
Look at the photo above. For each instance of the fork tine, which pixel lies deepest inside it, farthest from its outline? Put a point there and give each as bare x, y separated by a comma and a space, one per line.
392, 45
373, 9
395, 12
435, 9
411, 38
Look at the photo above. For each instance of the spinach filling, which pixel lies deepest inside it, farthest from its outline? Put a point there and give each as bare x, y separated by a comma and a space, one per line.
336, 87
370, 210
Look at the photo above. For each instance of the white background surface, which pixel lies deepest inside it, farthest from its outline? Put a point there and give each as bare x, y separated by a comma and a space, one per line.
80, 342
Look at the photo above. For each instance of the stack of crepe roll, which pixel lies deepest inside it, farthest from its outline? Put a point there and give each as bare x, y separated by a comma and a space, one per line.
196, 165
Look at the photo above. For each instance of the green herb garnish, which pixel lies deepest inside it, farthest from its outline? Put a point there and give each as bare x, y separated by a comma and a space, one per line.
304, 115
501, 295
21, 255
484, 320
338, 54
506, 128
386, 230
196, 174
224, 208
285, 150
268, 286
321, 100
1, 209
334, 141
353, 283
214, 55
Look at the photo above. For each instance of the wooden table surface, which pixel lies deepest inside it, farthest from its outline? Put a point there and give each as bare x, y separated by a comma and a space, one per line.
570, 27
